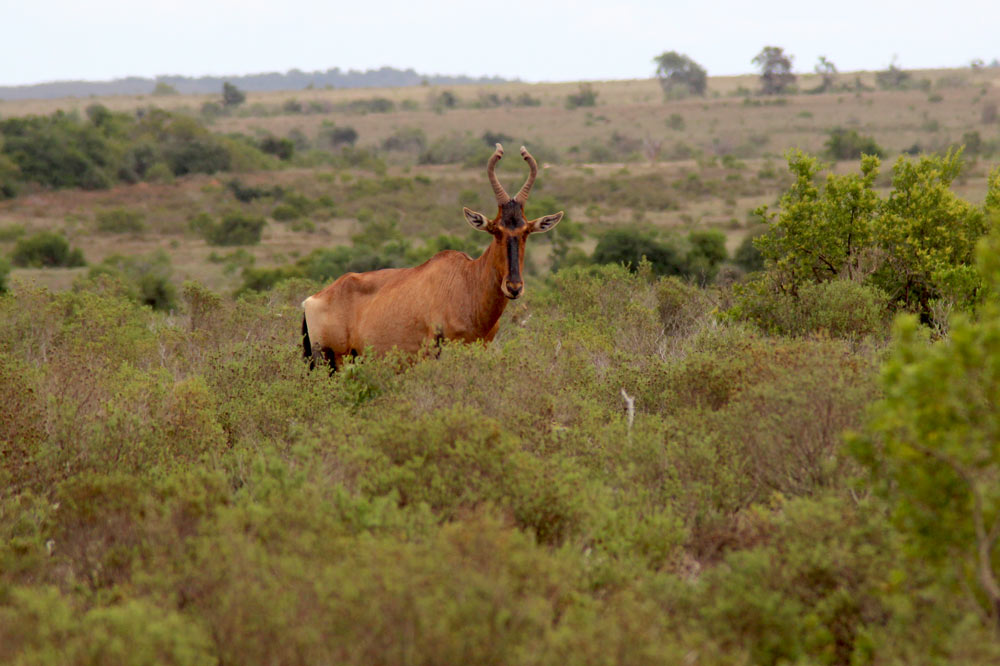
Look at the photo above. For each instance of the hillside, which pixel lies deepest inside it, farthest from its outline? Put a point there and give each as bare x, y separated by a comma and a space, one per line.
271, 81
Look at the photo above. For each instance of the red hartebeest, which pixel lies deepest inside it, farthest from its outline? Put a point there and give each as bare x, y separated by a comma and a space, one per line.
450, 296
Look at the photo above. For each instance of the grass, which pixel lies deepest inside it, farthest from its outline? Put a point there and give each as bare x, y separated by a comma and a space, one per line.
175, 486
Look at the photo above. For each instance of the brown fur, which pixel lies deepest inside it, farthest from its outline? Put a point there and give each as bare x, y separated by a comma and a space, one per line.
450, 296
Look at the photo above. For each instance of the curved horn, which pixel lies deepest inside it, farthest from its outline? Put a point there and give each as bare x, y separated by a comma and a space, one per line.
522, 196
501, 194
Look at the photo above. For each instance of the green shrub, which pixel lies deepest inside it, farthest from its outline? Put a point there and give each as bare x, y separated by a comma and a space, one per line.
839, 308
285, 212
629, 247
339, 137
147, 278
120, 221
585, 96
406, 139
279, 147
844, 144
4, 272
707, 251
747, 255
236, 228
462, 149
46, 249
915, 245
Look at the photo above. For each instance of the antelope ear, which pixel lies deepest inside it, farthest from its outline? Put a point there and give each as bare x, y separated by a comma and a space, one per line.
477, 220
545, 223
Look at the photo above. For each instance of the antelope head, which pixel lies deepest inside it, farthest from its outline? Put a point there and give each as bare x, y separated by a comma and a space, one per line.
509, 228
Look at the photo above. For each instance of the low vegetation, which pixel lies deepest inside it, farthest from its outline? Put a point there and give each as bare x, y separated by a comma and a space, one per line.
764, 438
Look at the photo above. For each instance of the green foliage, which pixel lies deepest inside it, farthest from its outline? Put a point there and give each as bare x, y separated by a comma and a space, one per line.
747, 255
232, 96
838, 308
586, 96
820, 233
120, 221
146, 278
162, 88
929, 235
63, 150
697, 256
46, 249
894, 78
631, 246
916, 246
456, 149
4, 272
776, 75
679, 75
707, 250
58, 150
406, 139
235, 228
181, 489
849, 145
933, 445
339, 137
371, 105
282, 148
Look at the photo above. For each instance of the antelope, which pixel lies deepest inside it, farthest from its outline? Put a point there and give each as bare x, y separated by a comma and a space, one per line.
449, 297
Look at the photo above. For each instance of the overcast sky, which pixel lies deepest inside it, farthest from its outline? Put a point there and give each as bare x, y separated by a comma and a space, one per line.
533, 40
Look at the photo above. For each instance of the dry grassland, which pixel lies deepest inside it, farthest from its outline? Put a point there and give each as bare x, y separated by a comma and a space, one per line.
678, 145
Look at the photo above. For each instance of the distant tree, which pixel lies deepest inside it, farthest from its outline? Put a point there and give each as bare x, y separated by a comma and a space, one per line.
775, 70
631, 246
679, 75
231, 95
844, 144
827, 72
894, 78
46, 249
586, 96
339, 137
163, 88
279, 147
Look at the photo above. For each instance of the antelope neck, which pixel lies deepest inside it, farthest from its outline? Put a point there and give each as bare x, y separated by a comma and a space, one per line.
488, 271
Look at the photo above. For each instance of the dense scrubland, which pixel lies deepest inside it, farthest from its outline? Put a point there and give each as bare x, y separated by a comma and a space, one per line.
745, 413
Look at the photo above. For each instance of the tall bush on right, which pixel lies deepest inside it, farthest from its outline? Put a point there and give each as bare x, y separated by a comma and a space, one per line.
933, 444
915, 246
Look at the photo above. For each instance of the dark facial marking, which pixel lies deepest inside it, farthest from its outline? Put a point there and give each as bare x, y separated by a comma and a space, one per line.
513, 259
512, 215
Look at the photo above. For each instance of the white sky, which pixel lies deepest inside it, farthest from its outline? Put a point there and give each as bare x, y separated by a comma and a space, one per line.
534, 40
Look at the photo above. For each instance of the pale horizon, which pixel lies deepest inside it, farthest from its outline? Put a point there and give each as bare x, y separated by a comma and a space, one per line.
106, 40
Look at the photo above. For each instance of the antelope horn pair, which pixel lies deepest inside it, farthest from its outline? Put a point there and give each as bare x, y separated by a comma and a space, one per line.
501, 194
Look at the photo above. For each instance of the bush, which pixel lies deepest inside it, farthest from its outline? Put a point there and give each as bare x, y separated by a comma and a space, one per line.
146, 278
456, 149
630, 247
235, 228
4, 272
585, 96
844, 144
747, 255
46, 249
838, 308
338, 137
58, 150
120, 221
697, 256
406, 139
283, 149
